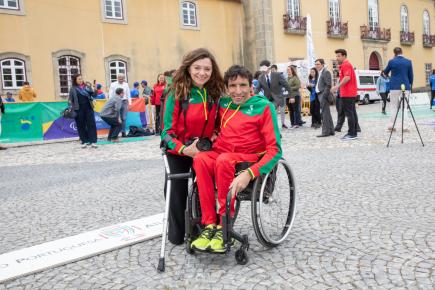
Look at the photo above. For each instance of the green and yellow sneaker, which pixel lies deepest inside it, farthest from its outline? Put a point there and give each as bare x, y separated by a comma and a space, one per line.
202, 242
216, 245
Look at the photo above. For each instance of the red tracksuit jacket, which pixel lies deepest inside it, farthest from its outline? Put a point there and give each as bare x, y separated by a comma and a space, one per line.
250, 128
199, 116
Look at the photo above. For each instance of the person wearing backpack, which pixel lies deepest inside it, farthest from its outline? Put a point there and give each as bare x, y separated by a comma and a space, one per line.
383, 89
189, 115
111, 114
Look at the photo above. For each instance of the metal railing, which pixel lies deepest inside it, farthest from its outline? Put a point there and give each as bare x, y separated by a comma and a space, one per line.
337, 29
407, 38
428, 40
375, 33
295, 25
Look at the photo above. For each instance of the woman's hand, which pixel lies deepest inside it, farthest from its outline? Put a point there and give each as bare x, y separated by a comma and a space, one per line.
191, 150
240, 182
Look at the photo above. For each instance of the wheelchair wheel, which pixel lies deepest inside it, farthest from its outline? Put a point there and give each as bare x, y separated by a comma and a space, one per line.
273, 205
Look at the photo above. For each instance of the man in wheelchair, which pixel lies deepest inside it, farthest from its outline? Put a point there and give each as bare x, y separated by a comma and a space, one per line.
248, 132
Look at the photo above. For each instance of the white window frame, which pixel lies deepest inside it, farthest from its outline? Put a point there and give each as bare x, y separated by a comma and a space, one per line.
112, 5
13, 67
114, 19
68, 68
293, 8
426, 22
427, 71
118, 69
190, 9
373, 13
7, 9
334, 11
404, 18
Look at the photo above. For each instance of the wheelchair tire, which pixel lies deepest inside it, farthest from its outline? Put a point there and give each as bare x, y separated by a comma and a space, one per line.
260, 199
241, 257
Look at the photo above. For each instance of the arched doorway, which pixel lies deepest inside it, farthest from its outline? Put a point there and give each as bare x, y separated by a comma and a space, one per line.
374, 61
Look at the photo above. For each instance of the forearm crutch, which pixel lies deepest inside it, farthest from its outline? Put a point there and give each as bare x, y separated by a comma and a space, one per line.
169, 178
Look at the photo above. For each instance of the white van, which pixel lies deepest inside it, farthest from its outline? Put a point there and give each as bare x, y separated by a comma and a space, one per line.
366, 85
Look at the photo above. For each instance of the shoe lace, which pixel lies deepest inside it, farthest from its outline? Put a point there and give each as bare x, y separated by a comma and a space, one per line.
207, 233
218, 235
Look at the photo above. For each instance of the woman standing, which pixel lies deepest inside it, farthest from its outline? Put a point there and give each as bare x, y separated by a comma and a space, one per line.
158, 89
294, 104
80, 99
382, 85
316, 120
189, 113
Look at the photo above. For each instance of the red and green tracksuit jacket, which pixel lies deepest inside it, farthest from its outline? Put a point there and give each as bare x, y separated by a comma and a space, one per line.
250, 128
182, 124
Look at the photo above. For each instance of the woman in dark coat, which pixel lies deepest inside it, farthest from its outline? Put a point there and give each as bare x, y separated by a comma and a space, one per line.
80, 99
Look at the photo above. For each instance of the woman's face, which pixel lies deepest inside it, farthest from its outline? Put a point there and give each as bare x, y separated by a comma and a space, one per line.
313, 73
161, 78
200, 71
79, 80
289, 71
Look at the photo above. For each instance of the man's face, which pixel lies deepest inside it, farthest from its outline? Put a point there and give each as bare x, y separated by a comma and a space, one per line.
340, 58
273, 69
318, 65
121, 79
239, 90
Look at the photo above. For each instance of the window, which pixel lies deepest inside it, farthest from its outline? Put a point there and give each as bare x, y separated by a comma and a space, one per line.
427, 71
334, 11
13, 73
373, 15
117, 67
426, 23
9, 4
335, 71
113, 9
366, 80
68, 66
404, 18
188, 10
293, 8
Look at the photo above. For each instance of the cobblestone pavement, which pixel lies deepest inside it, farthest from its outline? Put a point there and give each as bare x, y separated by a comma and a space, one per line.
365, 219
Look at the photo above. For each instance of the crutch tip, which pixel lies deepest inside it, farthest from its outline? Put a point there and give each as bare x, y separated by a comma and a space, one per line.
161, 266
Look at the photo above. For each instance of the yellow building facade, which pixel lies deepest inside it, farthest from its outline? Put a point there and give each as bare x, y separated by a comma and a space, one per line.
44, 42
368, 29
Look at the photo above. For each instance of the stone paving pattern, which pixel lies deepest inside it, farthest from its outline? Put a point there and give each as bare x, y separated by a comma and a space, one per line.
365, 220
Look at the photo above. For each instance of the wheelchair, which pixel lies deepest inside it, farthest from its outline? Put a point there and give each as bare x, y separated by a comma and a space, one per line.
273, 209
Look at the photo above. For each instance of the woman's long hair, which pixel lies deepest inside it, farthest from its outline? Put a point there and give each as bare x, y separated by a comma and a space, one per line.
316, 75
294, 72
182, 83
74, 80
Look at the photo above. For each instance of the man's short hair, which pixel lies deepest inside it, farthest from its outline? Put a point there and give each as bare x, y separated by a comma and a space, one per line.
274, 66
119, 91
26, 83
265, 63
237, 71
321, 60
341, 51
397, 51
8, 94
120, 75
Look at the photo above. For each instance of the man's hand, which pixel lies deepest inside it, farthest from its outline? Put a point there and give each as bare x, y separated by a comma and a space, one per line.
191, 150
334, 89
291, 100
240, 182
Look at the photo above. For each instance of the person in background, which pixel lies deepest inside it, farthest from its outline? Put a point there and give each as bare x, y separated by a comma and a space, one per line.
27, 93
432, 86
111, 114
80, 99
149, 108
338, 105
134, 93
382, 85
294, 103
100, 92
323, 90
190, 113
273, 68
158, 89
2, 111
316, 119
9, 98
126, 99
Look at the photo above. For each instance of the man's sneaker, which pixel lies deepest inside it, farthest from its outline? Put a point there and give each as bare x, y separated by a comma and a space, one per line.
94, 145
84, 145
216, 245
348, 137
203, 241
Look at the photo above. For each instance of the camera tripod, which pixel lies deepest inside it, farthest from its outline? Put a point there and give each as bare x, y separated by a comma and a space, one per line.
404, 99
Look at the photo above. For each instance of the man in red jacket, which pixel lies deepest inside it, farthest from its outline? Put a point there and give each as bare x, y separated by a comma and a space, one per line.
249, 132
